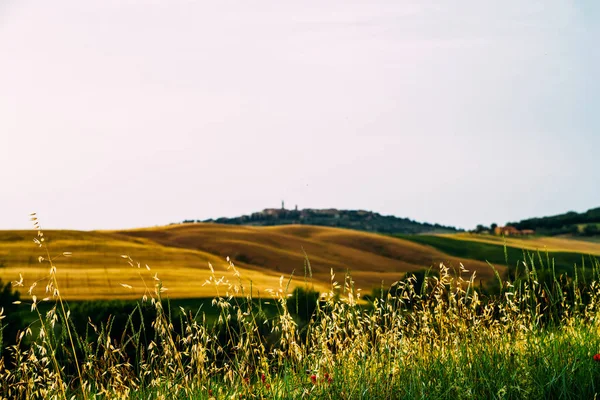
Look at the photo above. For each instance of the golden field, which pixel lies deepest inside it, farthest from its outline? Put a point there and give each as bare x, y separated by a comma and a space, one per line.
180, 255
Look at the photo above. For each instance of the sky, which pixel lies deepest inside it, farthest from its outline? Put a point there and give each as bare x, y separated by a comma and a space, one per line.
125, 114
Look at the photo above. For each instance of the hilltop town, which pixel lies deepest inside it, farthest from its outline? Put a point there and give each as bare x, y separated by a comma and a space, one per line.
353, 219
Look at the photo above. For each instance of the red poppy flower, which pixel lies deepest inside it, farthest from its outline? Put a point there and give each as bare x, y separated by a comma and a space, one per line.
597, 357
263, 378
313, 379
328, 377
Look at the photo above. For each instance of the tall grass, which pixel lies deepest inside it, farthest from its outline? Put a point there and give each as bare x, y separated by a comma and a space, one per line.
436, 337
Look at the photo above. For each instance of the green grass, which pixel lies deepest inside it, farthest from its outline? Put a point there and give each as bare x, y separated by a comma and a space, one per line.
495, 254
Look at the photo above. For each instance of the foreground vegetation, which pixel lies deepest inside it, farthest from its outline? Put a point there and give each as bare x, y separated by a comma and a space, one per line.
430, 335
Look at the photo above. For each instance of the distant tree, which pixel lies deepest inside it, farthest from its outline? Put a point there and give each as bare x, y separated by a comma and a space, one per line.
303, 303
591, 230
480, 228
12, 323
493, 226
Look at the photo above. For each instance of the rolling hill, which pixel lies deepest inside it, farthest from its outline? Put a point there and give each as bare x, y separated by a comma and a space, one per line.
180, 254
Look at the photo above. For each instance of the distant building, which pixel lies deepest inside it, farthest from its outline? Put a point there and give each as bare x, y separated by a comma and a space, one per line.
512, 231
506, 230
271, 211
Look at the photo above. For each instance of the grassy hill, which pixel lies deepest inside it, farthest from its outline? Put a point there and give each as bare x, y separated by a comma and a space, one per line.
537, 243
565, 253
371, 258
97, 270
180, 255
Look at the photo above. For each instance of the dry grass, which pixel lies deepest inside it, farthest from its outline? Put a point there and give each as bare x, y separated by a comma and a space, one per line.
181, 253
370, 258
96, 270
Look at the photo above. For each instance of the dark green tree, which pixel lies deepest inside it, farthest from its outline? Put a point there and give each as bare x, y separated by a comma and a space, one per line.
11, 323
303, 303
481, 228
591, 230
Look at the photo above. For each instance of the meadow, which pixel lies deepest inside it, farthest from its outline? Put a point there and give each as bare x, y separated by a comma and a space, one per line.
434, 333
512, 252
565, 244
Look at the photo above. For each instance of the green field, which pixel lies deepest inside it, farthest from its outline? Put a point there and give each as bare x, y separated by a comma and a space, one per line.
501, 255
565, 244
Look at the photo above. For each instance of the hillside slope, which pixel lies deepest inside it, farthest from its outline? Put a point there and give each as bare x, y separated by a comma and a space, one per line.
483, 247
97, 270
371, 258
180, 255
535, 243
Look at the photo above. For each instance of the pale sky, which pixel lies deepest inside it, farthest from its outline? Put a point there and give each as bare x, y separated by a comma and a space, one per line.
123, 114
